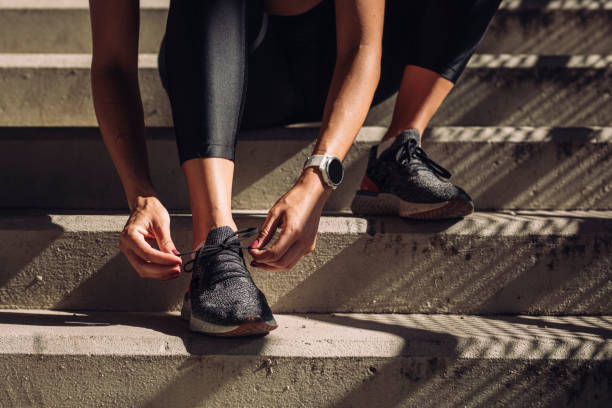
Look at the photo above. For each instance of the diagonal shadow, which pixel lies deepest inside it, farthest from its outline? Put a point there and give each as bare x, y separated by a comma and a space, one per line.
448, 380
180, 381
35, 235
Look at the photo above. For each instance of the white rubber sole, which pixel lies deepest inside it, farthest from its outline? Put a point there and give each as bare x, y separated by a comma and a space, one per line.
249, 327
367, 203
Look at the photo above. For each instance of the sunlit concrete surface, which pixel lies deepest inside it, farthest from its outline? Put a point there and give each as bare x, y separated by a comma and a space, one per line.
339, 360
545, 27
557, 4
501, 167
54, 90
554, 263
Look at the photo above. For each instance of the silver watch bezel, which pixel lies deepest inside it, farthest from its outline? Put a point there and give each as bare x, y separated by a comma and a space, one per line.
323, 166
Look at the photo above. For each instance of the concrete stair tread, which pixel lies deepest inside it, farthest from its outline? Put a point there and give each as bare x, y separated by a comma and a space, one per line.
502, 168
480, 223
154, 4
489, 263
544, 27
503, 89
161, 4
478, 60
340, 360
42, 332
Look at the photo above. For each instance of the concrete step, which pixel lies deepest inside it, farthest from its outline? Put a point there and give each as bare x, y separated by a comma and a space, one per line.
63, 26
343, 360
513, 90
523, 90
538, 27
502, 168
555, 263
550, 28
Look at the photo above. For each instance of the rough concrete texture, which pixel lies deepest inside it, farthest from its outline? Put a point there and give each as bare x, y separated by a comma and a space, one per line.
57, 29
542, 28
502, 168
529, 263
61, 359
523, 90
539, 27
495, 90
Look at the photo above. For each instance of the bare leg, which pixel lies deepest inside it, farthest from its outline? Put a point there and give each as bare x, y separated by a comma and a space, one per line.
415, 190
209, 181
420, 95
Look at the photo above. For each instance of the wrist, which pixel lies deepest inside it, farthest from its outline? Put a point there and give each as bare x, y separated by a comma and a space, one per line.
312, 180
140, 198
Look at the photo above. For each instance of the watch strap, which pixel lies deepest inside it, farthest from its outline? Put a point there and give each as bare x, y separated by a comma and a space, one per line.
315, 160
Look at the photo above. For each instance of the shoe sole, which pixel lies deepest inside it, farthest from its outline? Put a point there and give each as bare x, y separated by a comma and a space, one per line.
368, 203
252, 326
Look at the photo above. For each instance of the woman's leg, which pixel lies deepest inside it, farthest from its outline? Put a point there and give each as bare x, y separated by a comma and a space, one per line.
431, 50
203, 64
421, 93
209, 182
434, 50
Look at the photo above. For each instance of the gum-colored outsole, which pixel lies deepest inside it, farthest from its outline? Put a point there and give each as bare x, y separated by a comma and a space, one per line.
252, 327
366, 203
453, 209
247, 329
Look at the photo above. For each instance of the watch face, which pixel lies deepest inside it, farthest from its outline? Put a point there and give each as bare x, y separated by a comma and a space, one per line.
335, 171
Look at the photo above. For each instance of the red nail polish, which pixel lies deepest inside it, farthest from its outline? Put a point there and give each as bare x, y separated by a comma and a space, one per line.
255, 243
175, 252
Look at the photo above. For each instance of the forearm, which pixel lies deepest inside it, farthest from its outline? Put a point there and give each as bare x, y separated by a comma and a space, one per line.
351, 91
120, 115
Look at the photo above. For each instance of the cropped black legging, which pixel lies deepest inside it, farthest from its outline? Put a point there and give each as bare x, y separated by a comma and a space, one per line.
227, 65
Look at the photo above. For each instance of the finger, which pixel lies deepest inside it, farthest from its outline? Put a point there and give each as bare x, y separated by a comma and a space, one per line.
289, 259
152, 271
164, 240
267, 230
292, 256
137, 243
264, 266
278, 249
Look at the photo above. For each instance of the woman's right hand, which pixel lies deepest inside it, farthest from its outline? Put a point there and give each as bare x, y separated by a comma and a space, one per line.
149, 223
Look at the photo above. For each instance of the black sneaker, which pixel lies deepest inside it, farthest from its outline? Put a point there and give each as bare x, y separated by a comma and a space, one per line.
222, 299
402, 180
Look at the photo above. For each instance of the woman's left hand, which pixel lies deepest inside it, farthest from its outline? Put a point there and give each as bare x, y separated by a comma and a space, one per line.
297, 213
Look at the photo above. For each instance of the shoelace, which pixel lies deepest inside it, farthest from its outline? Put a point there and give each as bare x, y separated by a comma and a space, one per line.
411, 149
207, 250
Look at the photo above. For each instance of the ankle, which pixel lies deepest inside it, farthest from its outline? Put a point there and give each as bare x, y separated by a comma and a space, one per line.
392, 133
200, 233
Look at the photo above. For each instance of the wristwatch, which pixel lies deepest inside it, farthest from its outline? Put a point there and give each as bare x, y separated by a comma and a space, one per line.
330, 167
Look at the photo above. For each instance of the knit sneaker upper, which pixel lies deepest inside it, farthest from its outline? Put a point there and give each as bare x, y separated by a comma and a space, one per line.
405, 170
222, 290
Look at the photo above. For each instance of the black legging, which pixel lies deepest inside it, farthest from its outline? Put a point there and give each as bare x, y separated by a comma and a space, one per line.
214, 48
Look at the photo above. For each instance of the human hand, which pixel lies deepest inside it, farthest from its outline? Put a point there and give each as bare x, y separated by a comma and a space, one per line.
150, 223
297, 213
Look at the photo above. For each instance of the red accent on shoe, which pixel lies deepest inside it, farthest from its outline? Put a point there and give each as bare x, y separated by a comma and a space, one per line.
368, 185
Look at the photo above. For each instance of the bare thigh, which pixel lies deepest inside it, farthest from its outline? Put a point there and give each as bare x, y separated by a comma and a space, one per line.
289, 7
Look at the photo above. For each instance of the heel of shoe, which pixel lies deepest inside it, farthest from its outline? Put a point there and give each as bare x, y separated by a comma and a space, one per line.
186, 309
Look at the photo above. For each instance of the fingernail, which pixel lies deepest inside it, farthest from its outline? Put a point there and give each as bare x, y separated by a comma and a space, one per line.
255, 243
175, 252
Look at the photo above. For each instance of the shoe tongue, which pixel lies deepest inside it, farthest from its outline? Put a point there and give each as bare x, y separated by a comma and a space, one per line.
218, 235
393, 144
406, 135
